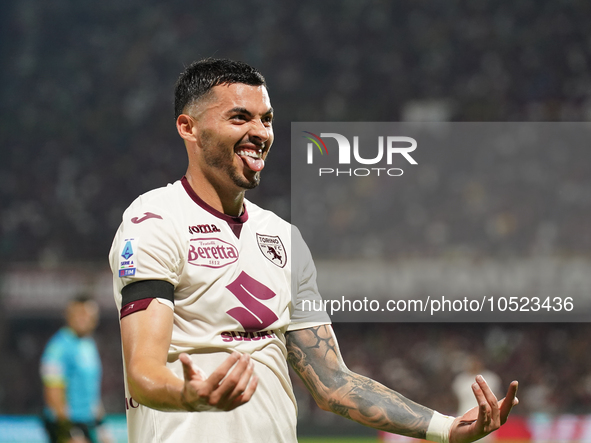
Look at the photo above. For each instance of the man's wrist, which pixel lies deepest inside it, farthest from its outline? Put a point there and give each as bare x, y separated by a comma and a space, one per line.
185, 404
439, 428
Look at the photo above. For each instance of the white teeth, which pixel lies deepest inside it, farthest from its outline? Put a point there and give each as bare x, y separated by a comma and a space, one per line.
250, 154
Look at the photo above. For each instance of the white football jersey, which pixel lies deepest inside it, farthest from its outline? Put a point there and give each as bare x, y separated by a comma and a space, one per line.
239, 284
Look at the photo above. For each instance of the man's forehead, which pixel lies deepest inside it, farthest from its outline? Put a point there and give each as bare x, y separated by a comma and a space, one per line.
241, 95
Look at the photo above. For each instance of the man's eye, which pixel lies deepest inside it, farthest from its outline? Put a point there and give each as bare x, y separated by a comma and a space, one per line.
239, 117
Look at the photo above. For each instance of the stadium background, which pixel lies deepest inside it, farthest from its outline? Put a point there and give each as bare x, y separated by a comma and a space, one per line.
87, 125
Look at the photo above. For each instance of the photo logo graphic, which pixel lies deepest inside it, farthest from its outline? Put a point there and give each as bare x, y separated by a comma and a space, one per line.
388, 148
310, 157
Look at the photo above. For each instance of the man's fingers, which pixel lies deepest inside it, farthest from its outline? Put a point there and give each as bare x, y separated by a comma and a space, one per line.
229, 386
240, 387
488, 394
509, 401
487, 417
222, 370
247, 395
490, 397
252, 386
243, 390
484, 409
187, 366
242, 369
190, 371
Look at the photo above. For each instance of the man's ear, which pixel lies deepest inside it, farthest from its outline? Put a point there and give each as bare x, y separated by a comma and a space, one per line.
185, 126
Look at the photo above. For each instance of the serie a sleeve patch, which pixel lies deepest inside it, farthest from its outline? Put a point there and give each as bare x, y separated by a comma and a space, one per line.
127, 257
137, 296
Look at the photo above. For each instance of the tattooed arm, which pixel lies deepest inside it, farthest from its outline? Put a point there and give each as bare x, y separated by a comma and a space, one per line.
314, 354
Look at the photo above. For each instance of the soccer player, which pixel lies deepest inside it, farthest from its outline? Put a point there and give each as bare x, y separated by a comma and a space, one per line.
210, 289
71, 375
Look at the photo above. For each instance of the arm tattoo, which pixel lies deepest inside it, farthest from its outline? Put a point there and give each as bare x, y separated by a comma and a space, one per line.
314, 354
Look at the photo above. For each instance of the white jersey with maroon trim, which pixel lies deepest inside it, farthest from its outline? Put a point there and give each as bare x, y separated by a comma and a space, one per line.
240, 283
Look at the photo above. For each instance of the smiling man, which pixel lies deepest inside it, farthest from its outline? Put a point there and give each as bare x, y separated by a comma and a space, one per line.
210, 288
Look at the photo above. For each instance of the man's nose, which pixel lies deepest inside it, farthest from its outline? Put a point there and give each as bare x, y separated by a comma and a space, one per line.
260, 131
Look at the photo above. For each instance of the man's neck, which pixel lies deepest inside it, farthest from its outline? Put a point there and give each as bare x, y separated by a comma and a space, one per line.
228, 202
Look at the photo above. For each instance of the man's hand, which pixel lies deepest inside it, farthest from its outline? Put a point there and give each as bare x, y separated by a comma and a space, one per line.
487, 417
146, 337
229, 386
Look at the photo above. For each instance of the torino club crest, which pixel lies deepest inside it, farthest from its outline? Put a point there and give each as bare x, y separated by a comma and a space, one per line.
272, 248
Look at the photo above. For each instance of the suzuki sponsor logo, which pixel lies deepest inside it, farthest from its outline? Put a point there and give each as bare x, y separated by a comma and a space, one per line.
252, 315
228, 336
211, 253
388, 148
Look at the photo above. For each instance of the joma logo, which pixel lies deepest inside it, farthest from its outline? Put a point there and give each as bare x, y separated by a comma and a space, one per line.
203, 229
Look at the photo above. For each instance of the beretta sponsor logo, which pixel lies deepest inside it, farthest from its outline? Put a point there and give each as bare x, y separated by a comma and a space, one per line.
211, 252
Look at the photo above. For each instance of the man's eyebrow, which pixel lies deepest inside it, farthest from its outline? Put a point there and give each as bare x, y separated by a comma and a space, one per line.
241, 110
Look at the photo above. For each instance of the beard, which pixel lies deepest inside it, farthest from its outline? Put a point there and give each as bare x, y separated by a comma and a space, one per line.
222, 159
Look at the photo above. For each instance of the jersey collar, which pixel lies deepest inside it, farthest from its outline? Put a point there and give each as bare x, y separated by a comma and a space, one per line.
234, 222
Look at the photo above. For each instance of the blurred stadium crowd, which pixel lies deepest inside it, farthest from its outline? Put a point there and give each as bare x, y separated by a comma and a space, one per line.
87, 124
477, 192
87, 120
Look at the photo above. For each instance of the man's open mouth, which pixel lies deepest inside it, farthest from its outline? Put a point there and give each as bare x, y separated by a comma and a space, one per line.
252, 158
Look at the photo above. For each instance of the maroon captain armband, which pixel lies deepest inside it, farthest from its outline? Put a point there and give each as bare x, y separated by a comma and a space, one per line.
137, 296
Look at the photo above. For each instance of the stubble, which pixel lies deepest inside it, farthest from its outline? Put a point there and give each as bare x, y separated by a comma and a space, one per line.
222, 159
